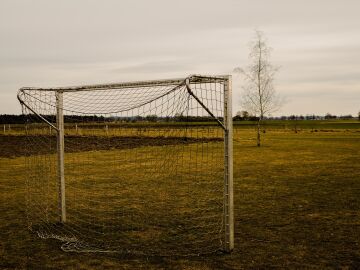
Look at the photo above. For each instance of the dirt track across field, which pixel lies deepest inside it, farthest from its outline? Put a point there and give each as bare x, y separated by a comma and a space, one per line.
15, 146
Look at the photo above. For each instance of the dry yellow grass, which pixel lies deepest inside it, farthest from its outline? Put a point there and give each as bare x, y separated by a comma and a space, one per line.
297, 204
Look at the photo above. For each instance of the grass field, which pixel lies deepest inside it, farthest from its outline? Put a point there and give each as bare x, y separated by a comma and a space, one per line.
137, 128
297, 205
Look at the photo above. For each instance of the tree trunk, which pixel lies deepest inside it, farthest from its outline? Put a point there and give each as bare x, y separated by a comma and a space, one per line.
258, 133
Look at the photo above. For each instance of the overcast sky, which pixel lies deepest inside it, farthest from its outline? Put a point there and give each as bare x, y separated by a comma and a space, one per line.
72, 42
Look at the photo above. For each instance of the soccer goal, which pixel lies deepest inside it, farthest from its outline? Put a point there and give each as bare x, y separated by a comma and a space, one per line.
135, 168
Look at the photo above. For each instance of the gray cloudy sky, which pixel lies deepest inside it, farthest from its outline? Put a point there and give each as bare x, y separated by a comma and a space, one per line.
71, 42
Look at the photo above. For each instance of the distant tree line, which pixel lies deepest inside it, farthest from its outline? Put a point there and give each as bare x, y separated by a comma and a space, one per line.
24, 118
240, 116
246, 116
12, 119
21, 119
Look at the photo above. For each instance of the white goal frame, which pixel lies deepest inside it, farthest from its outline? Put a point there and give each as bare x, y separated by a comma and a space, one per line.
226, 124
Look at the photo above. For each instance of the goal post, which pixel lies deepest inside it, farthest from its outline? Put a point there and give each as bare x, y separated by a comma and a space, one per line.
148, 165
60, 154
228, 164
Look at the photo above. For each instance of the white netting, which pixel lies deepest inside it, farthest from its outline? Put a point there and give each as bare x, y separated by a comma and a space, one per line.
144, 166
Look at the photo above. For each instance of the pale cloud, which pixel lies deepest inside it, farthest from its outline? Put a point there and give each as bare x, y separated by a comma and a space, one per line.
54, 43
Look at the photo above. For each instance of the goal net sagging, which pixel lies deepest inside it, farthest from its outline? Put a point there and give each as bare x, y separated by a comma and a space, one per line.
134, 168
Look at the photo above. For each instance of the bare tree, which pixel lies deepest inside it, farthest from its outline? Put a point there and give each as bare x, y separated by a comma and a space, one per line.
259, 96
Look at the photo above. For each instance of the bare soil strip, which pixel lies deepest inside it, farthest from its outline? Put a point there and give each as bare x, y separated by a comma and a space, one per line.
16, 146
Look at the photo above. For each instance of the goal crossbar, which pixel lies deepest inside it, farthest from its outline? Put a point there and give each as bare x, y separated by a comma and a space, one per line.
193, 79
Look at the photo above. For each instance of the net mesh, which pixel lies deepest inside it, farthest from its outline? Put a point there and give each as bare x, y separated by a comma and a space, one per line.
144, 167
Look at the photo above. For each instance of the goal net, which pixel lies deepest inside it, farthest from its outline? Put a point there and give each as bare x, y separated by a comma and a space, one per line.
134, 168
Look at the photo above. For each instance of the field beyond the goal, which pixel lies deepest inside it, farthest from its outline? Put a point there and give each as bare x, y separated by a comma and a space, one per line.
297, 201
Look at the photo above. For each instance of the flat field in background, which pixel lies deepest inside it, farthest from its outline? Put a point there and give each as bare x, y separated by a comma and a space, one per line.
297, 205
113, 128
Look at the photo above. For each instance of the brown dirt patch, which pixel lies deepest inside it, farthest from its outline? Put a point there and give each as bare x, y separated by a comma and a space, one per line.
16, 146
